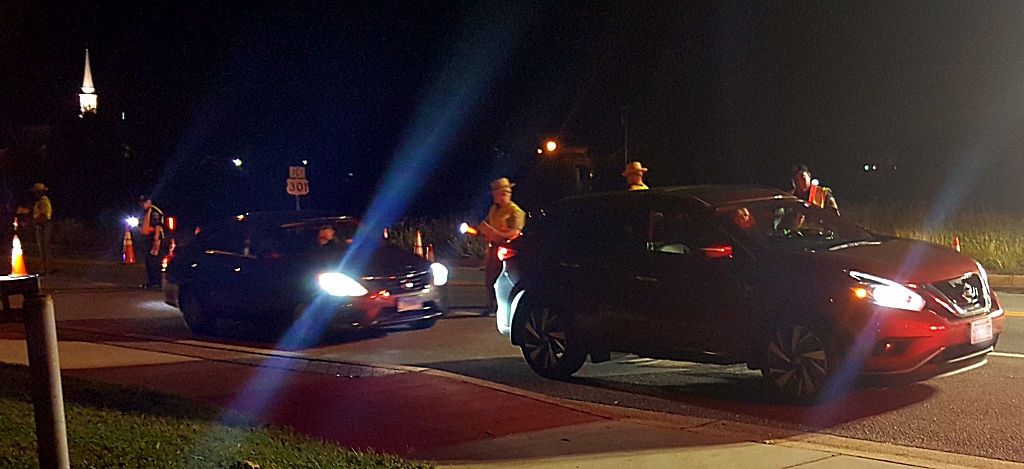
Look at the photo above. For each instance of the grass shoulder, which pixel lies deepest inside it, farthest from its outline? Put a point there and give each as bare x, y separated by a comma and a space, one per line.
112, 426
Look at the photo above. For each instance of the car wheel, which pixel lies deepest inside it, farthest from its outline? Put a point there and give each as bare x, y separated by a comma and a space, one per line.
549, 344
800, 362
196, 317
422, 324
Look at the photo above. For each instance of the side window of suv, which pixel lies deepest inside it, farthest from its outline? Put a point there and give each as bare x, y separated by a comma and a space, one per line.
676, 231
604, 231
233, 238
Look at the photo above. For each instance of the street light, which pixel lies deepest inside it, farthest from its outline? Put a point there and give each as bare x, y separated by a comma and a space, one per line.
237, 162
551, 145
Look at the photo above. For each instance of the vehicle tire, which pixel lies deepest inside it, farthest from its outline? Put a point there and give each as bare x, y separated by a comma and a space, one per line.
198, 319
549, 343
801, 361
422, 324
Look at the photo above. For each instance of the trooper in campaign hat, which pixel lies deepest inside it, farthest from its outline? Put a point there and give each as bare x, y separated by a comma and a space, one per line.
634, 175
504, 221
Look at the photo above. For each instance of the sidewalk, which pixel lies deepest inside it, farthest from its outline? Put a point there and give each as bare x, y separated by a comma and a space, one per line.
457, 421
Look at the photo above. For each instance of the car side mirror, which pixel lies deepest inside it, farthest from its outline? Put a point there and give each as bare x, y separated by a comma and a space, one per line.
717, 251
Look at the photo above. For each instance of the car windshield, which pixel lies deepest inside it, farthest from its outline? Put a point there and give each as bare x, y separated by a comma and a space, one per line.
791, 224
309, 237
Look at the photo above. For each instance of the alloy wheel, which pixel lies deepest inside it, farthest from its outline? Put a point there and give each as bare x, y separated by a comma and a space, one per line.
797, 363
544, 343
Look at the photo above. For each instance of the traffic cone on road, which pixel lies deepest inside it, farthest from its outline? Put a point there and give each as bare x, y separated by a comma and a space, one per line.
956, 243
129, 251
418, 247
430, 252
17, 258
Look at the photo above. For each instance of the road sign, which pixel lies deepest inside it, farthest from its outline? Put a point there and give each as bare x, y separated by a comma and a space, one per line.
296, 172
298, 187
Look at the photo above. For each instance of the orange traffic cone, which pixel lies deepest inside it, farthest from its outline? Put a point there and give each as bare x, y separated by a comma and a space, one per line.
129, 251
956, 243
430, 252
17, 258
418, 247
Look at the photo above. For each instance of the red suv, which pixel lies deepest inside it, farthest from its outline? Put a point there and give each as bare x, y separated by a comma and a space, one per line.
729, 274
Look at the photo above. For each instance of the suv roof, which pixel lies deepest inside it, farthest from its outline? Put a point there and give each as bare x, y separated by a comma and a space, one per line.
718, 195
708, 195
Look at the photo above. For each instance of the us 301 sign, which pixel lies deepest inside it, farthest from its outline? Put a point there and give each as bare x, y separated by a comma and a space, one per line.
298, 187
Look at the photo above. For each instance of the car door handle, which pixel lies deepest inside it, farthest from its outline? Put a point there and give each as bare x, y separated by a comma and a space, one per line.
571, 266
646, 279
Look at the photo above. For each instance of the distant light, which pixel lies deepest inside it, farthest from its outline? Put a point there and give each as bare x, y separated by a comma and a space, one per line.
539, 151
867, 167
305, 162
122, 116
874, 167
551, 145
351, 174
237, 162
814, 182
132, 221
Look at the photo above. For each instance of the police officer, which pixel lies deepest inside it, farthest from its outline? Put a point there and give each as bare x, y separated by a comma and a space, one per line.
153, 230
805, 189
42, 218
634, 175
504, 221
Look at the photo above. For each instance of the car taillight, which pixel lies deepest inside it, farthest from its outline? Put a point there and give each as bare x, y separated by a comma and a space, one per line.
504, 253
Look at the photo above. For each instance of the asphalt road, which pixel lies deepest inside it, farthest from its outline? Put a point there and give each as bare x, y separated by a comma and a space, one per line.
979, 412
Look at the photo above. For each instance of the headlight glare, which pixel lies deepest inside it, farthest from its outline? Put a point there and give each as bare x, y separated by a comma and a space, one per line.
440, 274
337, 284
886, 293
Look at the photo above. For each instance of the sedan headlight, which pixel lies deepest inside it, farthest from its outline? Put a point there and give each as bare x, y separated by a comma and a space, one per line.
440, 273
337, 284
886, 293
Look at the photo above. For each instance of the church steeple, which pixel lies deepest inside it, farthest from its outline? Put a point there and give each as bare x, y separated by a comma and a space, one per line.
87, 99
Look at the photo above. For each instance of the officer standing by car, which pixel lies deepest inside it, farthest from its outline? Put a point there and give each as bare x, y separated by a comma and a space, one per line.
42, 218
807, 189
634, 174
504, 221
153, 230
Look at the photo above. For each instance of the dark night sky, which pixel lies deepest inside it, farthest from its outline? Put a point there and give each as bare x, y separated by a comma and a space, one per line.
462, 92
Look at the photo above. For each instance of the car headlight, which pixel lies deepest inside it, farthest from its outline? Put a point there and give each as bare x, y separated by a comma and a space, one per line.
440, 273
337, 284
886, 293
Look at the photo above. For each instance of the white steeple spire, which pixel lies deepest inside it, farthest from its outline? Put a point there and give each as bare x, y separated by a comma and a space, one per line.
87, 99
87, 79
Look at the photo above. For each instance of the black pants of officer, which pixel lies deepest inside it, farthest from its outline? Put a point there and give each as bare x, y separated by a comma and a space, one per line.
153, 277
492, 270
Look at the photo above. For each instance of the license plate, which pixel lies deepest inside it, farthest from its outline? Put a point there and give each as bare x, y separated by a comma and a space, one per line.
409, 304
981, 331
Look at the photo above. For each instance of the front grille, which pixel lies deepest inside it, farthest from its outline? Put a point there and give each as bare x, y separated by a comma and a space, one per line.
968, 295
397, 284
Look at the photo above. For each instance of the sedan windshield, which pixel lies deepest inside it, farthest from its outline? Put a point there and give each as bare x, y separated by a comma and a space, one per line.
791, 224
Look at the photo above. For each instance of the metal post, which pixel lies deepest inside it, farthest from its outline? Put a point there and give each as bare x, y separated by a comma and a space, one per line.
297, 208
47, 394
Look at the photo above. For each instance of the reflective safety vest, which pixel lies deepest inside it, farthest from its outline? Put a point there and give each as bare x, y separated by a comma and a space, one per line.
817, 195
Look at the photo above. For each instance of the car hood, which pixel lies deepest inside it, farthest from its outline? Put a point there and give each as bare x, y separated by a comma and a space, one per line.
386, 260
903, 260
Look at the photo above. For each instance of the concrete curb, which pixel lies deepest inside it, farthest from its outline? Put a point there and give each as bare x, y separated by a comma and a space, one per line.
741, 431
1005, 281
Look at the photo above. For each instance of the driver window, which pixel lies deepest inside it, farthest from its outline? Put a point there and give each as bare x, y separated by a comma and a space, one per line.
668, 232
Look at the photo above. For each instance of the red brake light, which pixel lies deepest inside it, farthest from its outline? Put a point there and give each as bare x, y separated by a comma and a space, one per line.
504, 253
715, 252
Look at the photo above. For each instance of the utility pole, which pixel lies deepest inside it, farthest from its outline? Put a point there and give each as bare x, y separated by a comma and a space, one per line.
625, 128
